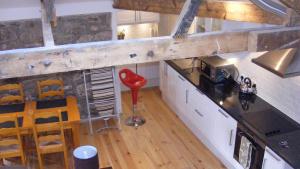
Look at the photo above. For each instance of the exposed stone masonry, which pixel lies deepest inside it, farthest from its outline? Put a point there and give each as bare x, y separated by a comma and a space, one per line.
73, 86
21, 34
82, 28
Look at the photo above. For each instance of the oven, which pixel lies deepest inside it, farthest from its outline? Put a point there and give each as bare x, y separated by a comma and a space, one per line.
254, 160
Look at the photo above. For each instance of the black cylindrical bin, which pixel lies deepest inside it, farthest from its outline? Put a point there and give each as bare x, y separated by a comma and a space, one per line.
86, 157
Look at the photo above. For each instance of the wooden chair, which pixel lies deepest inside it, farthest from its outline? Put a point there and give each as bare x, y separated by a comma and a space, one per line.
10, 142
50, 93
9, 98
49, 136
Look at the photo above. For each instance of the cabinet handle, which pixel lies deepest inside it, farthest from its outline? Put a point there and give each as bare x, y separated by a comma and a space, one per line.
273, 155
186, 96
230, 139
181, 78
223, 113
166, 69
197, 111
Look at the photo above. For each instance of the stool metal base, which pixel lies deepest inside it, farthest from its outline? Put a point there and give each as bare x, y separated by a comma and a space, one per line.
107, 126
135, 121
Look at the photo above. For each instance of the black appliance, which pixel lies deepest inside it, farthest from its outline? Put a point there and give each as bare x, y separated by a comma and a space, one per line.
216, 68
266, 123
258, 147
218, 91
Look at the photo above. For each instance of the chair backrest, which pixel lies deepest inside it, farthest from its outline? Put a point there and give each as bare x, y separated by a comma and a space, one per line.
43, 130
10, 136
45, 88
7, 97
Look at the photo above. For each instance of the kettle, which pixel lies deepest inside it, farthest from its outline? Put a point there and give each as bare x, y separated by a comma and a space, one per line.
246, 86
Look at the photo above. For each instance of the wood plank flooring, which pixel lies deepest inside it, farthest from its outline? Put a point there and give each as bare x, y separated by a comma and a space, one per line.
164, 142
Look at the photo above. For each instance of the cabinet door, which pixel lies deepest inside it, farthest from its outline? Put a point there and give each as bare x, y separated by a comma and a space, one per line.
148, 17
126, 17
171, 93
181, 95
273, 161
162, 76
224, 132
199, 115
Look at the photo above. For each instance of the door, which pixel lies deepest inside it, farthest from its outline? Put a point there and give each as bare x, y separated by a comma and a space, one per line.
273, 161
182, 92
126, 17
163, 78
223, 136
147, 17
171, 94
199, 114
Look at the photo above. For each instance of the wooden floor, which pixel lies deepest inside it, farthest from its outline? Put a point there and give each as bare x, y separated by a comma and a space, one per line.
163, 142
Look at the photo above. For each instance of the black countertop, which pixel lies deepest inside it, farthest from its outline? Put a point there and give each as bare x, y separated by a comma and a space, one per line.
253, 112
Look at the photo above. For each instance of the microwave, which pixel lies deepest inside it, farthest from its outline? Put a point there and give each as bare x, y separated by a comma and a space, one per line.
216, 69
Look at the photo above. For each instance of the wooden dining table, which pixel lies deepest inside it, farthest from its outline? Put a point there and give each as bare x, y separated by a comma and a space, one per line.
68, 106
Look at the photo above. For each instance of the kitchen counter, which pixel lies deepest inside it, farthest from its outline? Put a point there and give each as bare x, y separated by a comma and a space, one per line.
287, 146
268, 123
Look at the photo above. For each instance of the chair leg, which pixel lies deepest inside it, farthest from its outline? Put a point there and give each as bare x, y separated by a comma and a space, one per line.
40, 161
66, 159
23, 160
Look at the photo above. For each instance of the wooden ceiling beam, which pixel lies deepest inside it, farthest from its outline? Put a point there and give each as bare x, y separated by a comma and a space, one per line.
65, 58
266, 40
50, 11
47, 29
294, 4
186, 18
228, 10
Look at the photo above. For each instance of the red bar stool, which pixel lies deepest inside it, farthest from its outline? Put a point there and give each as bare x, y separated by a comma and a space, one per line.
134, 82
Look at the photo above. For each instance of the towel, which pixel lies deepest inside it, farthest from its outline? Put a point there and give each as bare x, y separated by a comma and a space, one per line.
245, 153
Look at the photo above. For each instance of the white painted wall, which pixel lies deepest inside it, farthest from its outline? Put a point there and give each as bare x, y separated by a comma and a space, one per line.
28, 9
233, 25
19, 9
150, 71
75, 7
139, 30
284, 94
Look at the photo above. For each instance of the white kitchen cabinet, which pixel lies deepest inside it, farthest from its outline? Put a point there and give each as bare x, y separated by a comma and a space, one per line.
199, 115
182, 95
273, 161
176, 91
171, 94
147, 17
223, 136
163, 76
126, 17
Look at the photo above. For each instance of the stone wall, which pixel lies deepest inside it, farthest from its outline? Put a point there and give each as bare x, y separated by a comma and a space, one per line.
73, 86
21, 34
82, 28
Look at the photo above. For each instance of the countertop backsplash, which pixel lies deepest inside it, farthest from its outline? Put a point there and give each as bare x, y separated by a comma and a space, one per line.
284, 94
